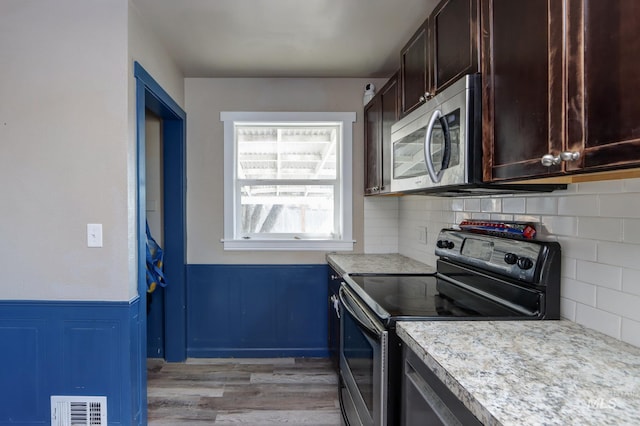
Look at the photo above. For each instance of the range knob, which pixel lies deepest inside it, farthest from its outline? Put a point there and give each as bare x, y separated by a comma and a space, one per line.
525, 263
511, 258
445, 244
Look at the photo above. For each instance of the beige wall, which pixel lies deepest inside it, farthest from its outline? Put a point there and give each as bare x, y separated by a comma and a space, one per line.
67, 146
204, 99
144, 48
63, 149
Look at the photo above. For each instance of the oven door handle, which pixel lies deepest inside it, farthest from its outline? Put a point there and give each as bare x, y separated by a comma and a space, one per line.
360, 314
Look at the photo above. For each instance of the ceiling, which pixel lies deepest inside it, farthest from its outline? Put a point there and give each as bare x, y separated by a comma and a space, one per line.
284, 38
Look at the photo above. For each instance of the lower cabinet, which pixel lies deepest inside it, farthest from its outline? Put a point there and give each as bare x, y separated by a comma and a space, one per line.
425, 398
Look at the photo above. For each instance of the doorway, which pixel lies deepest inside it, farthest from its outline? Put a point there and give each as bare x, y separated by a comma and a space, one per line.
154, 201
153, 101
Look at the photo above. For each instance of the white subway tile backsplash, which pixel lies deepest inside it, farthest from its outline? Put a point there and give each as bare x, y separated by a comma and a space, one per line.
632, 185
599, 274
491, 205
596, 223
501, 217
527, 218
578, 291
600, 187
472, 204
620, 205
569, 267
598, 228
460, 216
568, 309
542, 205
618, 302
457, 204
380, 203
631, 231
627, 255
579, 248
578, 205
630, 331
560, 225
604, 322
631, 281
481, 216
513, 205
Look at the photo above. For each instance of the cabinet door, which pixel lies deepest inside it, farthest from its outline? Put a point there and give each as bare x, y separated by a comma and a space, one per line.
455, 28
604, 82
390, 112
372, 154
522, 67
414, 69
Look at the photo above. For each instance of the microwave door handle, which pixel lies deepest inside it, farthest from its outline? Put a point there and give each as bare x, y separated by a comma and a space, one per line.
435, 176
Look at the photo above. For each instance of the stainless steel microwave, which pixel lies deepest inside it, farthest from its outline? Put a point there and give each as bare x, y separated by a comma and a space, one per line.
437, 148
437, 145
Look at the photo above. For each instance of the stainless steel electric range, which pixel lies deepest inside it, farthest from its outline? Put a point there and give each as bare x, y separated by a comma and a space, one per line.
479, 277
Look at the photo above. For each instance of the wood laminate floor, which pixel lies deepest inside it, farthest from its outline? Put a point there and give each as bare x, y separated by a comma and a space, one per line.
273, 391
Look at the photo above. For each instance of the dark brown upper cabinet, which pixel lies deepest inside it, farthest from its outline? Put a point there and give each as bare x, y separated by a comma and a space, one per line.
522, 86
380, 114
558, 87
415, 66
443, 49
455, 29
603, 111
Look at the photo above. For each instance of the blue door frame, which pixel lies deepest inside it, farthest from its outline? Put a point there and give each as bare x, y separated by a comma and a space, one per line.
150, 96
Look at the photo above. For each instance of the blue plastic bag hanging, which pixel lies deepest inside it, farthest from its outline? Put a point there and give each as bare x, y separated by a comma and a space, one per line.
155, 255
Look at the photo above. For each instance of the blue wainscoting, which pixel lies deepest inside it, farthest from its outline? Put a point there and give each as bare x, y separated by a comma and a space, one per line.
257, 311
69, 348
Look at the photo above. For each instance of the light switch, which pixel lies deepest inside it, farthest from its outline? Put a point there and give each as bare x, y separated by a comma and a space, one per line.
94, 235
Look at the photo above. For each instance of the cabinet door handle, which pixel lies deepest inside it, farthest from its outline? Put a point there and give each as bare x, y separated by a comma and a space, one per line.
569, 156
424, 97
549, 160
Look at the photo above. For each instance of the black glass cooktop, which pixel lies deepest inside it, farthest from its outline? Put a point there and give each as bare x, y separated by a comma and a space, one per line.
426, 296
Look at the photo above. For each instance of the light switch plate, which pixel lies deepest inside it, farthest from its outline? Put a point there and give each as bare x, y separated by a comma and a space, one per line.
94, 235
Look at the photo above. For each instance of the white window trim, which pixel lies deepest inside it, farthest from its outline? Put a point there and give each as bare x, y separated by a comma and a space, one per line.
346, 201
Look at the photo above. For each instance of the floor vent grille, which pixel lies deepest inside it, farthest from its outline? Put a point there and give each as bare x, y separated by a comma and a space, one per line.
78, 410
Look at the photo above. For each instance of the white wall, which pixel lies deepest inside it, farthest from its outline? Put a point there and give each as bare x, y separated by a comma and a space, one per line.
597, 225
205, 98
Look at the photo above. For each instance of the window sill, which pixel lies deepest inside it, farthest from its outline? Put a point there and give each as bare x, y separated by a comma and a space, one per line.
288, 245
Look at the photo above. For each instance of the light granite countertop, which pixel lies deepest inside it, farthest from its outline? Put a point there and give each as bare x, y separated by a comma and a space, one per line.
377, 264
532, 372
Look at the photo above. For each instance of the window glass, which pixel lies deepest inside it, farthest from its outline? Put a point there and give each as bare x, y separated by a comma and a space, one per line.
286, 180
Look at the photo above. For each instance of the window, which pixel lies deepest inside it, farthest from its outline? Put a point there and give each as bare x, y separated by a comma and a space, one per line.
287, 180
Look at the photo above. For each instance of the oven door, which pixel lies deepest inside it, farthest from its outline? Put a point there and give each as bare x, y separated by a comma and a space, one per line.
363, 358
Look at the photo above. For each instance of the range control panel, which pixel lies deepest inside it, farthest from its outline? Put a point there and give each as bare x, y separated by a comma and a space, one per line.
523, 260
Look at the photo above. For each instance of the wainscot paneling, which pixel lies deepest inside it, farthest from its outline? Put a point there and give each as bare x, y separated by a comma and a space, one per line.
69, 348
257, 310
